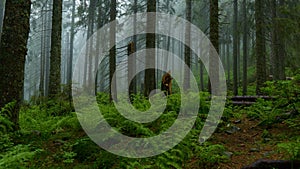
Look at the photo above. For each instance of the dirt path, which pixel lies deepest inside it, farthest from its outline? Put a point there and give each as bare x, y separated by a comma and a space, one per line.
248, 145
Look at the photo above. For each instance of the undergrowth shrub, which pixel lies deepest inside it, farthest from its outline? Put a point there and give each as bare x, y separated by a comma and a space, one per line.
85, 149
18, 156
264, 111
292, 149
57, 107
209, 155
35, 118
294, 123
6, 142
5, 113
284, 106
178, 156
66, 154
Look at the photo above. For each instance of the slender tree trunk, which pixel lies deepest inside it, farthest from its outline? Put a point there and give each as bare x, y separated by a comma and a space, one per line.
149, 79
131, 67
168, 40
214, 38
89, 45
282, 46
48, 51
55, 58
235, 48
245, 47
90, 39
187, 51
112, 51
133, 86
277, 44
2, 9
100, 20
238, 59
252, 61
274, 42
70, 67
260, 47
157, 54
224, 50
228, 58
173, 60
201, 77
43, 53
13, 49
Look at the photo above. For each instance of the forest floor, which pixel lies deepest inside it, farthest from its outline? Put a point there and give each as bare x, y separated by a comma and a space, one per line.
252, 142
60, 142
245, 146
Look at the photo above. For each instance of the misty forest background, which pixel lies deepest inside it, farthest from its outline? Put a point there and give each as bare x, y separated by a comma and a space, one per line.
40, 43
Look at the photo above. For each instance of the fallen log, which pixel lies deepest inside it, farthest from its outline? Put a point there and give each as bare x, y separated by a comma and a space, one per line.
270, 164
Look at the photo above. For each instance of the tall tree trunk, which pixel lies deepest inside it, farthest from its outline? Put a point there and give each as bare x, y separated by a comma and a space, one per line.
13, 49
2, 9
168, 42
228, 58
235, 48
112, 51
100, 20
274, 42
187, 51
43, 53
133, 88
238, 58
201, 77
48, 51
214, 38
91, 18
282, 48
245, 47
131, 67
131, 61
277, 43
224, 49
260, 47
70, 64
149, 80
55, 58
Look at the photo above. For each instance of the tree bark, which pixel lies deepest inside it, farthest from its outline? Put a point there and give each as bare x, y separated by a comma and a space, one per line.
187, 51
132, 68
228, 57
235, 48
55, 57
149, 80
13, 49
282, 46
43, 53
48, 53
2, 9
214, 38
245, 47
70, 64
277, 43
90, 40
260, 47
100, 22
112, 51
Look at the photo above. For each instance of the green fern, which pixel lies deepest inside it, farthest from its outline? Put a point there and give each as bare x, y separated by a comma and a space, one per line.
292, 149
18, 157
6, 112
